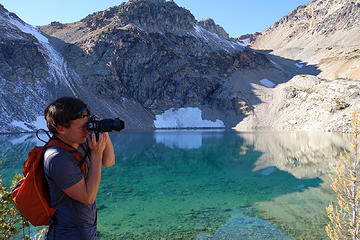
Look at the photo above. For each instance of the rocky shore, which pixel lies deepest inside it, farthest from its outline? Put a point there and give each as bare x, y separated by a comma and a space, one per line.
305, 103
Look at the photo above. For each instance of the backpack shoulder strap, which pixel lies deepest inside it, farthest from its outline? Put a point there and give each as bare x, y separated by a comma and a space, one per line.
55, 141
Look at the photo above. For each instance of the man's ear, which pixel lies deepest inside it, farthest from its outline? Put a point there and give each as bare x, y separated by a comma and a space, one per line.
59, 129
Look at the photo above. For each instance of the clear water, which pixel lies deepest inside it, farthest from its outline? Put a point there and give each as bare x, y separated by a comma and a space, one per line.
208, 184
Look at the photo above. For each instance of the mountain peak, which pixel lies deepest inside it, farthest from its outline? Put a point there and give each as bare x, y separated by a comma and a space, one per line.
147, 15
210, 25
321, 17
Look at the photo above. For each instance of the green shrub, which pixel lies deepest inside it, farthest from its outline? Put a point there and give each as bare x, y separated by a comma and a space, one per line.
10, 218
11, 221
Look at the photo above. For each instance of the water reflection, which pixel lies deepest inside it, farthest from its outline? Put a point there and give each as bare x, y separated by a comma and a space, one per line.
303, 154
13, 152
188, 184
163, 184
185, 139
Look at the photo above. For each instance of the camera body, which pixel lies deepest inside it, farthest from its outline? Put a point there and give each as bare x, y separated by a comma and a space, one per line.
105, 125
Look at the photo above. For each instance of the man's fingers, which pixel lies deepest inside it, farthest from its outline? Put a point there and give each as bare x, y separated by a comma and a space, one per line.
92, 139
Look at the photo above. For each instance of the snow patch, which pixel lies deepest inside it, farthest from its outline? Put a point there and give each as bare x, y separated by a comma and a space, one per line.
184, 118
277, 65
215, 40
245, 42
29, 29
21, 125
39, 123
298, 65
267, 83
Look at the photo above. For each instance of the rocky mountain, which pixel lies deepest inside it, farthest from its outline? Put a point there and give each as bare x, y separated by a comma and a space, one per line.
211, 26
27, 81
132, 61
305, 103
155, 53
324, 34
145, 57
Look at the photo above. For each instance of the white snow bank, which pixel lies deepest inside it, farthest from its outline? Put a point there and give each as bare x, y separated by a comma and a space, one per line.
267, 83
184, 118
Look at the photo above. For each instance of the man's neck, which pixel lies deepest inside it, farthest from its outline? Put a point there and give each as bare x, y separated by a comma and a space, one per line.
64, 139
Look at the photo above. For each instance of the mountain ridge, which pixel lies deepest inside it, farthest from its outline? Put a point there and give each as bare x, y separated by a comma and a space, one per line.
136, 69
318, 33
143, 58
326, 34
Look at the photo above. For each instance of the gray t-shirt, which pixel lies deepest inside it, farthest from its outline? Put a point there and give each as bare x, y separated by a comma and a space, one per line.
62, 171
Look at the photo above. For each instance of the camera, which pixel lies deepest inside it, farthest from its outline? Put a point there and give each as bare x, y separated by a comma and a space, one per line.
105, 125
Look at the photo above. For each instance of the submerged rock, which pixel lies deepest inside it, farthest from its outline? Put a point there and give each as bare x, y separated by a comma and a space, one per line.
250, 228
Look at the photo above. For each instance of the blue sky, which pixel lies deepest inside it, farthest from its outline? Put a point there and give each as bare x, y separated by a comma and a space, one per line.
237, 17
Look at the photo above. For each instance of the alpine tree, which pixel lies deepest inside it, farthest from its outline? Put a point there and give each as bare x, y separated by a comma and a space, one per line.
345, 215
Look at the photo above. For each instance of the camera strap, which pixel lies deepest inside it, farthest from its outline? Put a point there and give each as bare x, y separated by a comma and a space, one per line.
84, 148
87, 154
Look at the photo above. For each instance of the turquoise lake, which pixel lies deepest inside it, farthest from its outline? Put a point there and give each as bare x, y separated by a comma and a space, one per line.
208, 184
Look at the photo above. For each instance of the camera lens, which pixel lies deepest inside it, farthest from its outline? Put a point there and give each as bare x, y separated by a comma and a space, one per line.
105, 125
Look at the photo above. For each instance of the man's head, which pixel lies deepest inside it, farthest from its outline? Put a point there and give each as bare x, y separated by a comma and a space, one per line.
63, 111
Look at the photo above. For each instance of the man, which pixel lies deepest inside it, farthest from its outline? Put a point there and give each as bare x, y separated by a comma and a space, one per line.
73, 192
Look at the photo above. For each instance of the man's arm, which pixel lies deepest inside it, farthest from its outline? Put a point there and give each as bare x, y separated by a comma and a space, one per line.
108, 158
86, 189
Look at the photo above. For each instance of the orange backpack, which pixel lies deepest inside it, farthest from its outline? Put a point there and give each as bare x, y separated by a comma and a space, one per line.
31, 195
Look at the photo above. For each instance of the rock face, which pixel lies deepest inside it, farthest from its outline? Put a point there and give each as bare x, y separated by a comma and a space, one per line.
131, 61
305, 103
25, 76
152, 52
156, 54
323, 32
149, 16
211, 26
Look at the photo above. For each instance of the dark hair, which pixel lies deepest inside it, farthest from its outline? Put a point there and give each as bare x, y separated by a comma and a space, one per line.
62, 111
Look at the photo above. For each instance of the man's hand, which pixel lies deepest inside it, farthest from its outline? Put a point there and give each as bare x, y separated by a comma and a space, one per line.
97, 147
